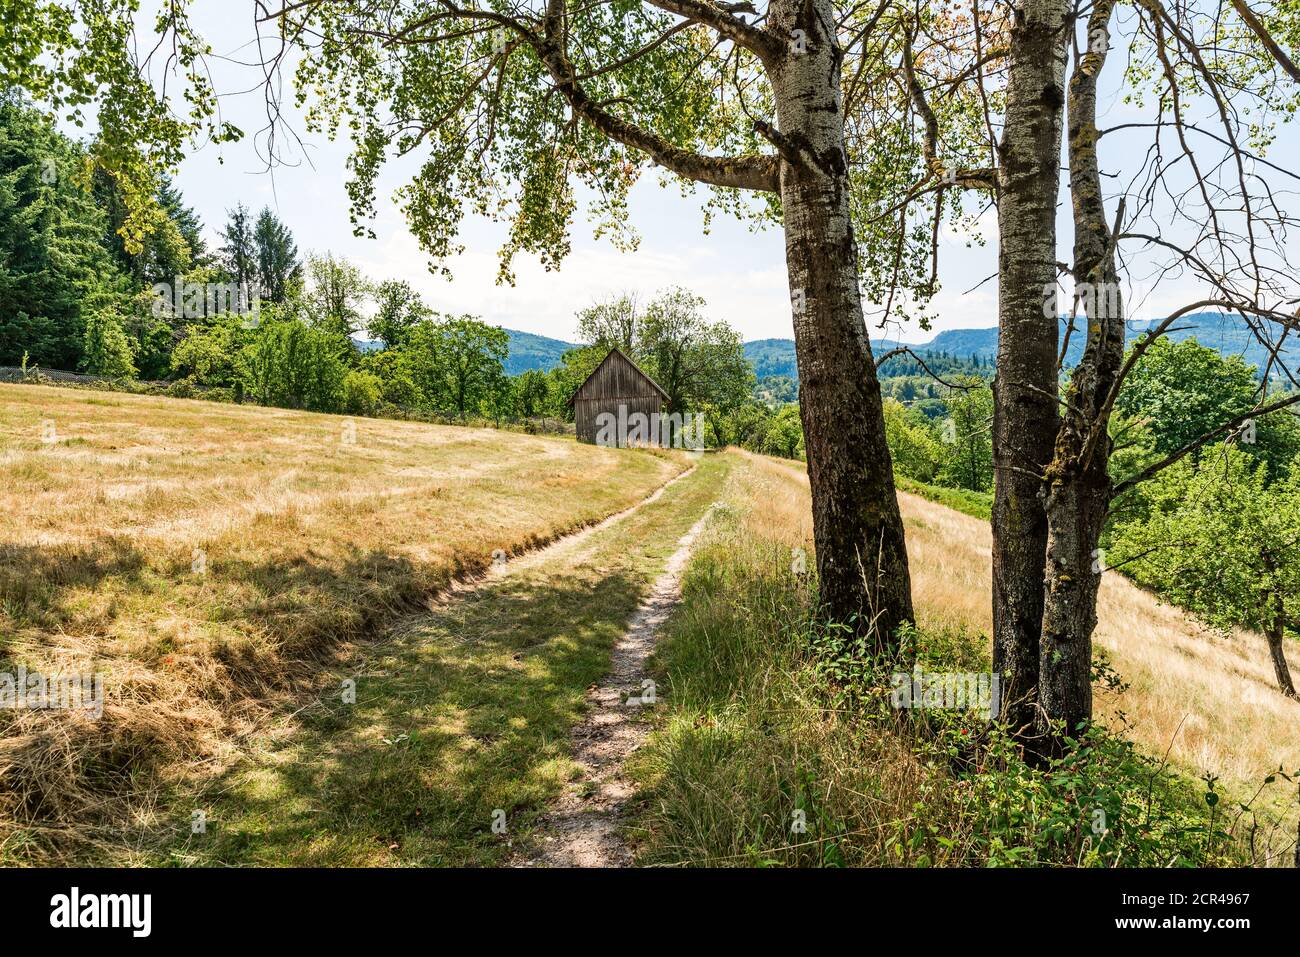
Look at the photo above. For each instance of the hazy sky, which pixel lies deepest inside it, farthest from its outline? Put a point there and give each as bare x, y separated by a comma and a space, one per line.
740, 273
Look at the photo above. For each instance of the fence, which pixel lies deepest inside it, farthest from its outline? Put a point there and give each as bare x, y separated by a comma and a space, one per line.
150, 386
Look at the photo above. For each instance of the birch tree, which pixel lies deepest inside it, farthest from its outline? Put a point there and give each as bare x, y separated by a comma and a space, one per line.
1027, 66
1052, 452
1233, 250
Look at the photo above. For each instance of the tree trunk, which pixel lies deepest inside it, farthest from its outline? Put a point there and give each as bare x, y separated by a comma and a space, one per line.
1077, 493
861, 555
1276, 640
1025, 387
1276, 634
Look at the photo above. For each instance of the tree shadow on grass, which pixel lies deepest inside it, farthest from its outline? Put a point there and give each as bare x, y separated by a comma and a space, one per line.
462, 713
35, 580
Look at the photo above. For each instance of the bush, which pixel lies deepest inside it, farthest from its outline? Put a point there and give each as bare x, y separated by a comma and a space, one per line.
182, 389
362, 392
916, 449
975, 504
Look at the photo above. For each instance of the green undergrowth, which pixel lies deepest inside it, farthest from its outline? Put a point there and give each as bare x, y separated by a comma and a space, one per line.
975, 504
776, 742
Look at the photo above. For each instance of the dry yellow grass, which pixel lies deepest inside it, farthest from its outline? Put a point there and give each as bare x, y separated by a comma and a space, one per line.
207, 558
1207, 700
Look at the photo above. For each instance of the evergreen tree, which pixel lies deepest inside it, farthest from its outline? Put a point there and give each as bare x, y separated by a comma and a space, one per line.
53, 265
239, 253
278, 268
172, 248
187, 221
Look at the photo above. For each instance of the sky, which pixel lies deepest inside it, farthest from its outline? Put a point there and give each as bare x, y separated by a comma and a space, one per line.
739, 272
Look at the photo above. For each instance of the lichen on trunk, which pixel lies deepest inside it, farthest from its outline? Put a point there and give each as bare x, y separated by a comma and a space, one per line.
1025, 406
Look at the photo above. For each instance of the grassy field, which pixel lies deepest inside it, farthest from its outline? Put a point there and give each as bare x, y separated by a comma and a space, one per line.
1209, 700
749, 732
975, 504
214, 561
237, 573
462, 712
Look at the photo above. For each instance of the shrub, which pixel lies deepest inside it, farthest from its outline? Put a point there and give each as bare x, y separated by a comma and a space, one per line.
181, 389
362, 392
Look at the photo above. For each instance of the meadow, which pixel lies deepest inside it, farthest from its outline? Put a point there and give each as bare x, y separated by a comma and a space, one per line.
231, 571
1206, 698
763, 718
212, 561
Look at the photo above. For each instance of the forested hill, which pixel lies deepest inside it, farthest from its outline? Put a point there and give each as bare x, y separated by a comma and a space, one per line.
1226, 334
775, 357
527, 351
531, 351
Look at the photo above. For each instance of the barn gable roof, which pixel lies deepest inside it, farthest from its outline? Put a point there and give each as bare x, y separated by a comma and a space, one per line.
651, 382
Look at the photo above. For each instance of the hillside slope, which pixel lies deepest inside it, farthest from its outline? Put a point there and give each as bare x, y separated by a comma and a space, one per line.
777, 745
1209, 701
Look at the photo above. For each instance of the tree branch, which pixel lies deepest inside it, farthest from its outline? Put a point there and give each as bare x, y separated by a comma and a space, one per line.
759, 42
968, 179
904, 350
754, 171
1266, 38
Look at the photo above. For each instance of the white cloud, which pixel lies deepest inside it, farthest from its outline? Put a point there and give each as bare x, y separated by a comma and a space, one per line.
753, 299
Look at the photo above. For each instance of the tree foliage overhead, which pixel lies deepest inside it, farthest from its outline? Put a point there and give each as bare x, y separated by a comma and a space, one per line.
79, 60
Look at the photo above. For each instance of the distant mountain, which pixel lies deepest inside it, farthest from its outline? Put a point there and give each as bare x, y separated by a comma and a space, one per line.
1226, 334
527, 351
772, 357
531, 351
1229, 335
775, 357
964, 342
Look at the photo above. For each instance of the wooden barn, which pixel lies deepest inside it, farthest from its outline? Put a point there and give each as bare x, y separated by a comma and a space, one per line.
618, 387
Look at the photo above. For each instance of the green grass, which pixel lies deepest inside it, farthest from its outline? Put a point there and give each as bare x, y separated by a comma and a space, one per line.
775, 743
461, 712
212, 560
975, 504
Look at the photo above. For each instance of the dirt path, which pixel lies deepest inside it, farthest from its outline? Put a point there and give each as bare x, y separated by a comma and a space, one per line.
459, 733
504, 566
582, 829
537, 556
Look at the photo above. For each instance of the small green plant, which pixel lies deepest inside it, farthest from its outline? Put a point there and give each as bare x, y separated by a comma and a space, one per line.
31, 373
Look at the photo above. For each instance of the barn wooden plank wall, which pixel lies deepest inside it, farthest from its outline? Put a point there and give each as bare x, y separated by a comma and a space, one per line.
615, 382
587, 411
